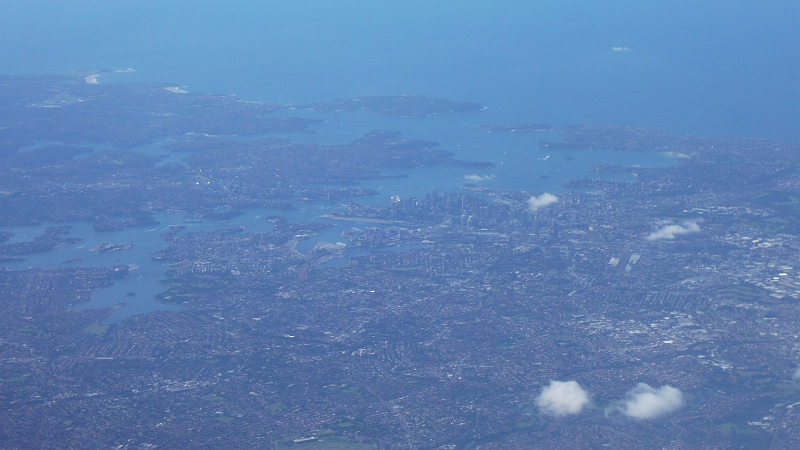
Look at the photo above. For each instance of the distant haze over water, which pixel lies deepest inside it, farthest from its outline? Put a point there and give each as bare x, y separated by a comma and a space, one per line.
712, 68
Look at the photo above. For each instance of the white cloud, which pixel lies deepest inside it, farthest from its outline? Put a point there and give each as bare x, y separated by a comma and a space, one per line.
620, 49
475, 177
670, 231
536, 203
645, 402
561, 398
796, 374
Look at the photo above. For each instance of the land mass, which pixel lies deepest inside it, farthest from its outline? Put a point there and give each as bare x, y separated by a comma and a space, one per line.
452, 312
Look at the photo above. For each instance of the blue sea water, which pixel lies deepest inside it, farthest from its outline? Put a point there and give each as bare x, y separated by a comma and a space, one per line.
716, 67
712, 68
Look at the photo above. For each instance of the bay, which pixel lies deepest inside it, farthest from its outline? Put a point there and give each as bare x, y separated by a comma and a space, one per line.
519, 165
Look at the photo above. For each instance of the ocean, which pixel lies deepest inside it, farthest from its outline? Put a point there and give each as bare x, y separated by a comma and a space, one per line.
711, 68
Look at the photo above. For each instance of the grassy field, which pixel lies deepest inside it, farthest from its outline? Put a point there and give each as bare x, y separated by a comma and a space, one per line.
273, 409
562, 337
745, 293
19, 379
96, 329
325, 444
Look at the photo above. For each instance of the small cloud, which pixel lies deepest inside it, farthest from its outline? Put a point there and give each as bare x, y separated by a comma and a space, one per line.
475, 177
670, 231
562, 398
621, 49
536, 203
645, 402
176, 90
796, 375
